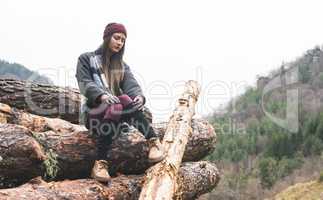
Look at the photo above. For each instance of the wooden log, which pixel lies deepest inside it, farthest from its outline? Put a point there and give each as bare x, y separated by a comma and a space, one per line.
70, 151
19, 148
26, 154
45, 100
41, 99
160, 181
195, 178
36, 123
200, 144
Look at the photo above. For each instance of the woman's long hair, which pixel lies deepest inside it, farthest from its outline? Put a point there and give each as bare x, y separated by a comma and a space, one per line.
112, 64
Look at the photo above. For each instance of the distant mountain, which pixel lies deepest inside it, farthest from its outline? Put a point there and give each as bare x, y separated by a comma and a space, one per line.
20, 72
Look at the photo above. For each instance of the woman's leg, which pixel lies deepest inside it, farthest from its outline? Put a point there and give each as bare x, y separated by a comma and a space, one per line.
101, 130
135, 117
139, 121
116, 114
103, 142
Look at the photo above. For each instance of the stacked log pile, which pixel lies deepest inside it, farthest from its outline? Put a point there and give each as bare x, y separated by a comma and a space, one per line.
35, 148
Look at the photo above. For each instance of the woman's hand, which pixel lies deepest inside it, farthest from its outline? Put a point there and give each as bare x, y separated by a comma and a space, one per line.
138, 102
109, 99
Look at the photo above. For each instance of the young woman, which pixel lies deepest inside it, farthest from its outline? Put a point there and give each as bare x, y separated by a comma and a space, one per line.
113, 97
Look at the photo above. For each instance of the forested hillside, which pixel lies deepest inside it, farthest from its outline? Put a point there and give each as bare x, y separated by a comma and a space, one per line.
18, 71
257, 156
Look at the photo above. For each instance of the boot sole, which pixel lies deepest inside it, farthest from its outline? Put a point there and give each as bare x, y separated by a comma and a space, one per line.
102, 180
156, 160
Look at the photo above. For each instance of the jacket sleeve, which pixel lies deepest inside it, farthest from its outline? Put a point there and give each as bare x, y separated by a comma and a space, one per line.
129, 85
87, 86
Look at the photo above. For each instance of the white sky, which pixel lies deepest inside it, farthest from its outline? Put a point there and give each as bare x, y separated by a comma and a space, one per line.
222, 44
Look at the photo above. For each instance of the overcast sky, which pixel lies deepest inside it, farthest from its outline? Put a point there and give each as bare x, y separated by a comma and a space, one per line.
223, 45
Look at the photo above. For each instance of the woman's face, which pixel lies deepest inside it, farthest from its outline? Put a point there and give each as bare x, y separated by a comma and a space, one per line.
116, 42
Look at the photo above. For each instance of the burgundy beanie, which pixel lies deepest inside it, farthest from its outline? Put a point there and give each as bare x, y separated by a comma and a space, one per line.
114, 28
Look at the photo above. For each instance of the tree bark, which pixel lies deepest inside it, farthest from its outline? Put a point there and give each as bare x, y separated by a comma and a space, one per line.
41, 99
200, 144
44, 100
195, 179
32, 145
160, 181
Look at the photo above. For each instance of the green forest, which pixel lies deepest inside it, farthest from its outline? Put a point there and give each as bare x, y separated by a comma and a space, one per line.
253, 152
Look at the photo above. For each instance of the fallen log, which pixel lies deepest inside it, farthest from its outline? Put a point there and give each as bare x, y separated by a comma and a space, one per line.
36, 123
51, 155
45, 100
41, 99
19, 148
59, 154
160, 181
195, 178
200, 144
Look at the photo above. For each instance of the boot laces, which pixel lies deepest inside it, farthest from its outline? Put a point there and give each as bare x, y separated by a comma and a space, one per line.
102, 165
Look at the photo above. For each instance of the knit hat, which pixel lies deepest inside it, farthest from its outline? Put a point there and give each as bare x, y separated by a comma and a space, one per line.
114, 28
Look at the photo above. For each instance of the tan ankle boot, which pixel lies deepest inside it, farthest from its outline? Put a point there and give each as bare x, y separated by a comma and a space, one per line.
100, 171
156, 150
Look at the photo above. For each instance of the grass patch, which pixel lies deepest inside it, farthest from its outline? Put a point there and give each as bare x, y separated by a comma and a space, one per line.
50, 165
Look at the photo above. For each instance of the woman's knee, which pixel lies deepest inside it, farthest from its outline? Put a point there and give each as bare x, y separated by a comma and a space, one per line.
113, 112
98, 112
125, 100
